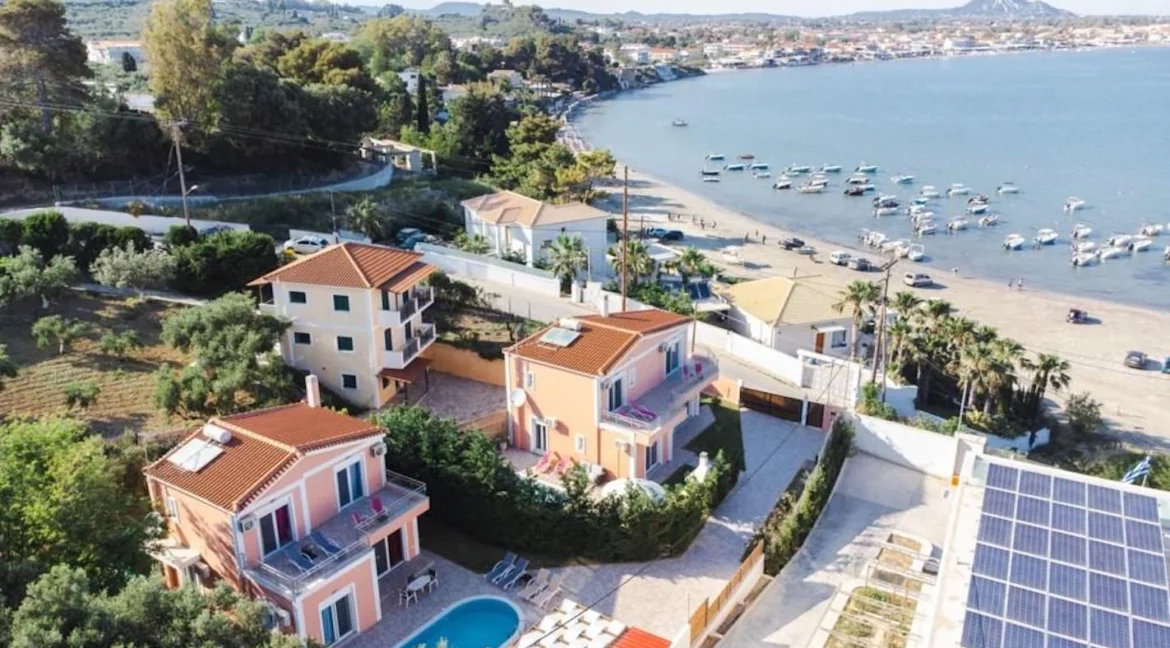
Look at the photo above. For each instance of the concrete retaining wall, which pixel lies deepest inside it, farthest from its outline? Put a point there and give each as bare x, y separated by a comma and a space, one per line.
927, 452
484, 268
769, 360
462, 363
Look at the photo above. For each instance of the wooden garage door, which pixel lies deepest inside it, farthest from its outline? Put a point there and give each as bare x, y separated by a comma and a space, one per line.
783, 407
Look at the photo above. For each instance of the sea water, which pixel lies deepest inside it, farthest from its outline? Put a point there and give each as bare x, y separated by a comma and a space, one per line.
1092, 124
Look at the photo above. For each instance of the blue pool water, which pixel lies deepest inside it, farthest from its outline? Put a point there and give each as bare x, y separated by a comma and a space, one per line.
480, 622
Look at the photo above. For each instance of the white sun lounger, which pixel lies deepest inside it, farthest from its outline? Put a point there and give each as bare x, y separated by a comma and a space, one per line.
551, 638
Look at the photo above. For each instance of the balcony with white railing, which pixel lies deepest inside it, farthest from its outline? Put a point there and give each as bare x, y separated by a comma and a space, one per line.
414, 301
423, 337
347, 532
666, 401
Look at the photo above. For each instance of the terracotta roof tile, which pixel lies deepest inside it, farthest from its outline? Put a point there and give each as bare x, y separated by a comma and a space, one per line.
504, 207
264, 444
347, 265
638, 638
601, 343
406, 279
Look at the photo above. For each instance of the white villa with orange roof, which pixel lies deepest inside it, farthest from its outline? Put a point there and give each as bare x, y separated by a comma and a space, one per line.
515, 223
357, 318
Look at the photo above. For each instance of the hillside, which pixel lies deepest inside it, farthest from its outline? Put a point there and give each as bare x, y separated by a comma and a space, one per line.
124, 18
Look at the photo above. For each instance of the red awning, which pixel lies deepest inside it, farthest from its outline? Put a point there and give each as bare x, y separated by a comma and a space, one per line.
636, 638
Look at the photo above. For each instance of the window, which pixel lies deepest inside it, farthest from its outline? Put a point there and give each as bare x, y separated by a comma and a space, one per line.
651, 455
172, 509
302, 338
837, 339
388, 339
341, 303
539, 436
672, 357
389, 552
344, 343
616, 395
529, 378
579, 443
337, 620
348, 381
385, 300
350, 486
297, 297
275, 529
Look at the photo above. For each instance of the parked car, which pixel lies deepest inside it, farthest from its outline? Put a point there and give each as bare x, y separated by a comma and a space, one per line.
663, 234
917, 280
1135, 360
307, 244
860, 264
1166, 365
1076, 316
840, 257
791, 243
215, 229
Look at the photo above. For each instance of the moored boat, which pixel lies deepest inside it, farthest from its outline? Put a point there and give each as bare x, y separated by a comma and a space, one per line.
857, 180
1087, 259
1073, 203
902, 179
746, 156
957, 224
1014, 242
798, 169
916, 252
810, 188
1081, 231
929, 192
1008, 188
1152, 229
734, 167
716, 156
1114, 252
1046, 236
854, 190
830, 168
1141, 243
759, 175
679, 122
1084, 247
758, 166
866, 168
1119, 240
989, 220
885, 211
710, 172
958, 189
869, 187
782, 183
925, 228
711, 178
975, 209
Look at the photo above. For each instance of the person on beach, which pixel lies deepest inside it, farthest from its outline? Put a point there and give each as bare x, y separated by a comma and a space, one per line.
702, 224
1019, 284
764, 239
1011, 282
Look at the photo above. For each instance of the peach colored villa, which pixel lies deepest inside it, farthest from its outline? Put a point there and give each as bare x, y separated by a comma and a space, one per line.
605, 391
291, 505
356, 312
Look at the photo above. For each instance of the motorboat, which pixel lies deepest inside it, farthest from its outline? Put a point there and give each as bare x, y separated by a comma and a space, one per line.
1153, 229
734, 167
902, 179
872, 239
782, 183
798, 169
1007, 188
818, 182
1081, 231
857, 180
820, 177
1046, 236
917, 209
1166, 253
885, 198
679, 123
894, 246
1073, 203
921, 217
1119, 240
710, 172
1114, 252
1084, 247
989, 220
920, 201
885, 211
855, 190
929, 192
1141, 243
830, 168
958, 224
711, 178
916, 252
746, 156
958, 190
866, 168
810, 188
758, 166
978, 199
760, 175
926, 228
869, 187
1088, 259
1014, 242
976, 209
714, 157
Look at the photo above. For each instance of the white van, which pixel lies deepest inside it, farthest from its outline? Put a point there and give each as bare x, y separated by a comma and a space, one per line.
840, 257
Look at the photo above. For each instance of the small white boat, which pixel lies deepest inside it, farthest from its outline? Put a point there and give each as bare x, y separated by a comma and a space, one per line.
1141, 243
1073, 203
958, 189
1153, 229
926, 229
1084, 247
902, 179
1166, 253
920, 201
1014, 242
872, 239
758, 166
710, 178
760, 175
1119, 240
1081, 231
1046, 236
869, 187
989, 220
881, 198
917, 209
867, 168
716, 156
885, 211
818, 182
810, 188
916, 252
892, 246
734, 167
830, 168
1114, 252
1088, 259
679, 123
975, 209
857, 180
902, 249
1008, 188
929, 192
798, 169
957, 224
782, 183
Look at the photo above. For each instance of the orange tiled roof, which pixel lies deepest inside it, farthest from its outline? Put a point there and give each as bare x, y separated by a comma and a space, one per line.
410, 276
348, 265
602, 340
264, 444
638, 638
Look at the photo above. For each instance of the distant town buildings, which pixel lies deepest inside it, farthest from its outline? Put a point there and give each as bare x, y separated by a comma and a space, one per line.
111, 51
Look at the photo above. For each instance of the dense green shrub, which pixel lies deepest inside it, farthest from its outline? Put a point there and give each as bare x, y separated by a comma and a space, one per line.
223, 262
473, 488
87, 240
784, 536
46, 231
11, 233
871, 403
180, 235
124, 237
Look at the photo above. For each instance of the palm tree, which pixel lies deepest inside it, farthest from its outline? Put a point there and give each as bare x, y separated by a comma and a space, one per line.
857, 297
567, 257
971, 367
906, 304
1008, 354
1048, 371
366, 217
898, 333
690, 263
638, 263
474, 244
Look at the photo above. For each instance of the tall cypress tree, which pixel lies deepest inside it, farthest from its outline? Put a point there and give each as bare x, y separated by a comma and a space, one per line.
424, 114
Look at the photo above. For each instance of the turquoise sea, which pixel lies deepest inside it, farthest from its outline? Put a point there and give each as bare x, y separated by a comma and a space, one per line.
1094, 124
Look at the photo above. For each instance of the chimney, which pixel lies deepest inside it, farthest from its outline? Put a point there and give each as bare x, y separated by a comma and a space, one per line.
603, 307
312, 391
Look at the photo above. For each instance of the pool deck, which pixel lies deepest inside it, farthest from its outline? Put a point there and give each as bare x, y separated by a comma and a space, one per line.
455, 584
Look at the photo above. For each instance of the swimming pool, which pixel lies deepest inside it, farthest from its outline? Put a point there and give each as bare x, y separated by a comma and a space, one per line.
477, 622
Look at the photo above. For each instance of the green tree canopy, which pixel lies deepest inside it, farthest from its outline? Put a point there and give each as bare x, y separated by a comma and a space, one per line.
41, 61
401, 42
131, 268
27, 275
187, 52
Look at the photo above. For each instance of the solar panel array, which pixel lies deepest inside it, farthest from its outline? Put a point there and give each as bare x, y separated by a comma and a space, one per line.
1061, 563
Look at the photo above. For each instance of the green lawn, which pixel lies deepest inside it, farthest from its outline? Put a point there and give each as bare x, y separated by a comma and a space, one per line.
459, 548
724, 434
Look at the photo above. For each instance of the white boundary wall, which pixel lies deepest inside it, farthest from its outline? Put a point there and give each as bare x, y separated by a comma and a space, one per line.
777, 363
927, 452
484, 268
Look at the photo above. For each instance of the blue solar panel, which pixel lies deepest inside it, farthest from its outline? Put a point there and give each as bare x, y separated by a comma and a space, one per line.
1104, 499
995, 531
1001, 503
1143, 536
1029, 571
1068, 518
1021, 637
1068, 618
1105, 527
1002, 477
1108, 591
1030, 539
1107, 558
986, 595
1108, 629
1147, 568
1036, 484
1068, 491
1061, 642
1149, 602
1025, 606
990, 561
1067, 581
981, 631
1142, 507
1068, 548
1030, 509
1150, 635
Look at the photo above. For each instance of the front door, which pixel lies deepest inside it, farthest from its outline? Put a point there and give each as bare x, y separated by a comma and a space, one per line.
388, 552
820, 344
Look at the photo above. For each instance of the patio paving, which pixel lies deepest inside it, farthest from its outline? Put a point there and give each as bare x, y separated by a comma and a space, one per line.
461, 399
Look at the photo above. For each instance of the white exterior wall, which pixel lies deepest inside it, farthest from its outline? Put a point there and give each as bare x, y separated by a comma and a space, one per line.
927, 452
593, 237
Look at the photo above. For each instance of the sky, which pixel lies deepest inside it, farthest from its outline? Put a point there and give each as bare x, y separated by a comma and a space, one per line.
811, 8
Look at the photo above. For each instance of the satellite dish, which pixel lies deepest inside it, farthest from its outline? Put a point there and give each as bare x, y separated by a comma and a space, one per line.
517, 398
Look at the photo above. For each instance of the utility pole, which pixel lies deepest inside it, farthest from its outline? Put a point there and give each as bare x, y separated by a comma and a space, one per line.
177, 137
881, 330
625, 232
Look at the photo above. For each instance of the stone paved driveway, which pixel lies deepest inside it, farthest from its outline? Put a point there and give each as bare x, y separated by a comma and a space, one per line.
461, 399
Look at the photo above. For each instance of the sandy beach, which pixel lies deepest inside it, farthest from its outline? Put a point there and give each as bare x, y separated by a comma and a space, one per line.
1132, 400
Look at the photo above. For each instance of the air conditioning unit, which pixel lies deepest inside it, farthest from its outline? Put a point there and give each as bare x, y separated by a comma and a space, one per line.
551, 422
280, 615
246, 524
378, 450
